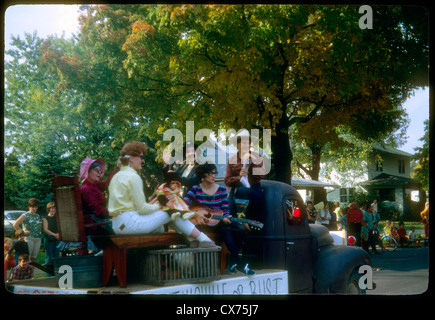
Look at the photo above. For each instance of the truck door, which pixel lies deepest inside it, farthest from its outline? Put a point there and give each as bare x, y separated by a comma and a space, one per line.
298, 246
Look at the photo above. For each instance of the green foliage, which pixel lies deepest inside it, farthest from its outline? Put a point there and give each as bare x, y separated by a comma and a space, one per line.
274, 66
362, 197
412, 211
32, 179
388, 210
421, 170
134, 71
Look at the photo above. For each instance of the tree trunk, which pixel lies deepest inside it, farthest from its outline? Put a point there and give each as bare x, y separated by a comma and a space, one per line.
316, 152
282, 154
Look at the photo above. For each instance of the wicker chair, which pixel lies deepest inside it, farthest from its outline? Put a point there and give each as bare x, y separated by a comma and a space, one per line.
68, 203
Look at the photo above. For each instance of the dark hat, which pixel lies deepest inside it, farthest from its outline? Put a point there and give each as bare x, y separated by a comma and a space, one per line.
171, 176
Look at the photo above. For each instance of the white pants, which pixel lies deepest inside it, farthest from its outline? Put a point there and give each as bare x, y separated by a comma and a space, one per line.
34, 244
133, 223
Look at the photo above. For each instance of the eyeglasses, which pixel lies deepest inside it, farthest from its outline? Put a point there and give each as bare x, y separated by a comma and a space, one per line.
97, 170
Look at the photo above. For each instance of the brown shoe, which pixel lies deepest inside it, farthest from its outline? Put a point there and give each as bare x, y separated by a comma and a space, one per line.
194, 244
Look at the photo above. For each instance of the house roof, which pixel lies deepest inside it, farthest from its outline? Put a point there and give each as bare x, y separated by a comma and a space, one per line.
389, 149
300, 183
388, 180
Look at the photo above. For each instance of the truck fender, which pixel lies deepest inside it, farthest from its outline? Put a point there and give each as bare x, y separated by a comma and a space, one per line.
334, 267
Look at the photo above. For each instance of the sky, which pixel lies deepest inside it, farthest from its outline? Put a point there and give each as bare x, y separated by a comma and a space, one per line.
63, 19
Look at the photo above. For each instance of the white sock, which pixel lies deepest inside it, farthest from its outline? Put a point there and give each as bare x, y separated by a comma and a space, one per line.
202, 237
183, 226
186, 227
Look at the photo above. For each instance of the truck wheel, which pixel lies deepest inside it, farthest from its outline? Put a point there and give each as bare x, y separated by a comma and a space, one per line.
353, 284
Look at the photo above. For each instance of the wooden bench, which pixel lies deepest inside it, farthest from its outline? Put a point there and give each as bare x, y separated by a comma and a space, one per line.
72, 228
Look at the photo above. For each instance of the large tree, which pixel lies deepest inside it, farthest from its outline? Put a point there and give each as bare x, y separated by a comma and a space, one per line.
48, 127
40, 110
271, 66
251, 66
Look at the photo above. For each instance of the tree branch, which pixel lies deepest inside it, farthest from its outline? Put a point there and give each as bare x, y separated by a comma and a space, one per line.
213, 60
300, 166
310, 115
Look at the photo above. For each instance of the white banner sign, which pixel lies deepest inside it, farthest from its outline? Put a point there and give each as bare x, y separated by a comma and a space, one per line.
273, 283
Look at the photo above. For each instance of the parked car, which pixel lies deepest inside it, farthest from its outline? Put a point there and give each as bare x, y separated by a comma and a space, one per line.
9, 219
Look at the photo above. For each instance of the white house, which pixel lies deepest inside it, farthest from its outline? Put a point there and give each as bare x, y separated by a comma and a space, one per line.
386, 172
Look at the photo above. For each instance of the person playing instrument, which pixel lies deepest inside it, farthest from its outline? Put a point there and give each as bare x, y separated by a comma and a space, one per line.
214, 196
243, 175
169, 196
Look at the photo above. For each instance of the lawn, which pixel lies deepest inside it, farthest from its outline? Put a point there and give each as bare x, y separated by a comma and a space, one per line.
419, 227
41, 260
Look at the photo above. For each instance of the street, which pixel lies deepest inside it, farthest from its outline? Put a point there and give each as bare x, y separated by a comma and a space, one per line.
401, 272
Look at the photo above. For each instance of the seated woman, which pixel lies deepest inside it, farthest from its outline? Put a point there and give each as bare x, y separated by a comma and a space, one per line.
244, 173
94, 201
214, 196
130, 212
92, 192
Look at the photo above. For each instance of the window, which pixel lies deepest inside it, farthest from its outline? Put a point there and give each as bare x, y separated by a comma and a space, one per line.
346, 194
294, 212
343, 195
387, 195
401, 166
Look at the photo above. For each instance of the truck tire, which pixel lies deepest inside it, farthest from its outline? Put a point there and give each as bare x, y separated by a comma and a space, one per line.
353, 284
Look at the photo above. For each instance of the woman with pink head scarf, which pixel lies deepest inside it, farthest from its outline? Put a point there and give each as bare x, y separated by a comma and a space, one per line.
93, 199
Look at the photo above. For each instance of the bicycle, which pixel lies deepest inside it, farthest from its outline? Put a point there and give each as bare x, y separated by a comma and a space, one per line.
385, 241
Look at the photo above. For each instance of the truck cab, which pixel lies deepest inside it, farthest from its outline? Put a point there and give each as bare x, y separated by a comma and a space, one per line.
306, 251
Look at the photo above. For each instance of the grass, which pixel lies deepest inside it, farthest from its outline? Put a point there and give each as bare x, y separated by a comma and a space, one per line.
40, 258
419, 227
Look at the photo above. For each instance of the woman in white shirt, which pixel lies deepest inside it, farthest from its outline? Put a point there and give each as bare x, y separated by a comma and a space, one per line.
325, 215
130, 212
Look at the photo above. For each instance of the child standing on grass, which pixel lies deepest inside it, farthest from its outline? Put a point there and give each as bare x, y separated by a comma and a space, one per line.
23, 270
20, 246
